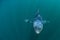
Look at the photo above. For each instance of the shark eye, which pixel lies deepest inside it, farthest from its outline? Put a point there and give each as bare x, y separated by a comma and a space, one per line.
37, 28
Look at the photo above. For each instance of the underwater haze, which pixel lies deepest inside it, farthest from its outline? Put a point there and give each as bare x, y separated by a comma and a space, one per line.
14, 12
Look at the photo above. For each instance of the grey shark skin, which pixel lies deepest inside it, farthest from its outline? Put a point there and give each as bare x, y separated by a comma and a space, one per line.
37, 23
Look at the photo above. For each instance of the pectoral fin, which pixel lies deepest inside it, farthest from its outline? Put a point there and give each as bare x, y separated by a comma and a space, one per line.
44, 21
28, 21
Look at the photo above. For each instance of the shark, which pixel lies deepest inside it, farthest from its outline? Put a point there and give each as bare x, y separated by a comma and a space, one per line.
37, 22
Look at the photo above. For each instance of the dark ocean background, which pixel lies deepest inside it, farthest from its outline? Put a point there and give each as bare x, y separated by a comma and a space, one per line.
14, 12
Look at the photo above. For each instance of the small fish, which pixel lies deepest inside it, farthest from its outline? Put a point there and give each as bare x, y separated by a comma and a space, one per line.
37, 22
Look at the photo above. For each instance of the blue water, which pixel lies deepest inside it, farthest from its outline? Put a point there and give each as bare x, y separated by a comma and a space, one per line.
14, 12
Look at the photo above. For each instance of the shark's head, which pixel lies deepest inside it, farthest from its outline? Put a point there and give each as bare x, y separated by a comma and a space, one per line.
38, 26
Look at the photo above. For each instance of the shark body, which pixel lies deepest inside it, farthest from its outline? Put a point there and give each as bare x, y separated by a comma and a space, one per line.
37, 22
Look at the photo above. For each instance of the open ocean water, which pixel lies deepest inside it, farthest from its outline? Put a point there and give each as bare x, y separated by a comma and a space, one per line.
14, 12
